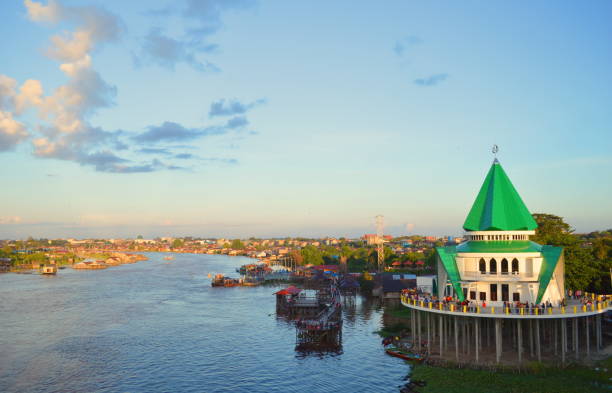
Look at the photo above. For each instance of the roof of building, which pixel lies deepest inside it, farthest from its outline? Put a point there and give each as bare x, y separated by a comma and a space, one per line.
395, 282
499, 246
551, 257
447, 256
292, 290
498, 206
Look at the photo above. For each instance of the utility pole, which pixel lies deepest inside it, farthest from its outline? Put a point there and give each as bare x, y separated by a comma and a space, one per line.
380, 240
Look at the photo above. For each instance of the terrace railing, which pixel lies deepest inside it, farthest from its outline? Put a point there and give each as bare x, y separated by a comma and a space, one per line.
596, 307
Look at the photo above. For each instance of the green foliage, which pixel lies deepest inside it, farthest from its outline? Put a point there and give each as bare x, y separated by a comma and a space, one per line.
311, 255
237, 244
178, 243
588, 258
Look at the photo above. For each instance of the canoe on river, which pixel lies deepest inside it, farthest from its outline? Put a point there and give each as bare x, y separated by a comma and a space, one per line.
410, 356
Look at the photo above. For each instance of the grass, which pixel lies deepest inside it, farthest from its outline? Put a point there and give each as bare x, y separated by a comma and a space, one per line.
400, 312
575, 379
393, 330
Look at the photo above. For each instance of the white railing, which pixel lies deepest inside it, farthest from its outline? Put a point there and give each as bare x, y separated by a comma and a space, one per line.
503, 276
512, 312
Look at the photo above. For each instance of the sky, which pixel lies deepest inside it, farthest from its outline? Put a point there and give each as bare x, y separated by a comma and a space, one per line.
239, 118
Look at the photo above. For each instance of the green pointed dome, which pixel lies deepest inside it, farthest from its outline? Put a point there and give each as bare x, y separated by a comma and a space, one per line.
498, 207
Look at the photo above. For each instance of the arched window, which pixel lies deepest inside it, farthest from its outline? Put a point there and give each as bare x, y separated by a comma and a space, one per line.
493, 266
482, 266
515, 266
504, 266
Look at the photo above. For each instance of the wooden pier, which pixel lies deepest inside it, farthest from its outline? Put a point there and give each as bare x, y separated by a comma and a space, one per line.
318, 319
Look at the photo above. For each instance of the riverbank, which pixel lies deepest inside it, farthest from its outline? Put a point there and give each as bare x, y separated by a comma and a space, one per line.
92, 260
536, 378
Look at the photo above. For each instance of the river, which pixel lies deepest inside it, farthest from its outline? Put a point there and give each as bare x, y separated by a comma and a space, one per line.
158, 326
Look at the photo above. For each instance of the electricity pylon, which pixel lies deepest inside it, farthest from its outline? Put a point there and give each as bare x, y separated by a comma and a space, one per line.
380, 240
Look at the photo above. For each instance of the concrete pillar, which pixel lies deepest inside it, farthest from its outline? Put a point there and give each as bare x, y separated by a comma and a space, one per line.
441, 337
498, 341
476, 322
428, 334
519, 338
556, 335
598, 332
537, 333
413, 327
419, 342
577, 338
531, 337
456, 339
468, 332
586, 329
563, 339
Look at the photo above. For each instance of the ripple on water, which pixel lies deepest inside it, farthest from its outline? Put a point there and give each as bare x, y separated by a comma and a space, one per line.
156, 326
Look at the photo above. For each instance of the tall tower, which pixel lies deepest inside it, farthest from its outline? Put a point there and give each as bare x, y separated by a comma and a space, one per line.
380, 240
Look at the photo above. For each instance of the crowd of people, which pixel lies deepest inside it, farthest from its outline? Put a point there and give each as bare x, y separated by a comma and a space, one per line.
449, 303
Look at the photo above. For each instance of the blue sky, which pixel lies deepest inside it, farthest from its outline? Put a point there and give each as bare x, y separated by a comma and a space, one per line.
274, 118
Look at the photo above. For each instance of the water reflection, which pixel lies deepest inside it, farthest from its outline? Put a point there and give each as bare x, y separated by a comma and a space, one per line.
159, 326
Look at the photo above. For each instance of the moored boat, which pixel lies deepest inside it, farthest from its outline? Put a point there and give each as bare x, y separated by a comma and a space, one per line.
409, 356
221, 281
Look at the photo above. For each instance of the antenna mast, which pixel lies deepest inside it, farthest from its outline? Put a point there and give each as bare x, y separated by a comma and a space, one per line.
380, 240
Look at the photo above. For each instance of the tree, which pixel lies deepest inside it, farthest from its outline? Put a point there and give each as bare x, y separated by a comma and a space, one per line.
177, 243
583, 269
312, 255
237, 244
297, 257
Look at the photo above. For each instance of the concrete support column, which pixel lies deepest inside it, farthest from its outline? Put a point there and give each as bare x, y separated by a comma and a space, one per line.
498, 340
577, 338
413, 327
441, 337
588, 342
456, 339
476, 322
556, 335
519, 339
419, 342
598, 332
428, 333
537, 333
531, 337
563, 339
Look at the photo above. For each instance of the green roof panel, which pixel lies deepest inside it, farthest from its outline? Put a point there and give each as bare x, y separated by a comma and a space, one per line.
551, 256
498, 206
447, 256
499, 246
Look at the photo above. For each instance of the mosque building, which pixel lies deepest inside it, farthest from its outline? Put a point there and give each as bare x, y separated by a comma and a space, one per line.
498, 262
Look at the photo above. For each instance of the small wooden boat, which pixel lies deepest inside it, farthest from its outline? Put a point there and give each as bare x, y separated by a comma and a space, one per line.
409, 356
221, 281
169, 258
48, 269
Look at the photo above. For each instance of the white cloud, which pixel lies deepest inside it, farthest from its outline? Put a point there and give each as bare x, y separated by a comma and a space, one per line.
12, 132
10, 220
43, 13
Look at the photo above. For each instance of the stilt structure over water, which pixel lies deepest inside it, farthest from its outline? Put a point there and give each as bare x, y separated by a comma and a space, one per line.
501, 297
318, 320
